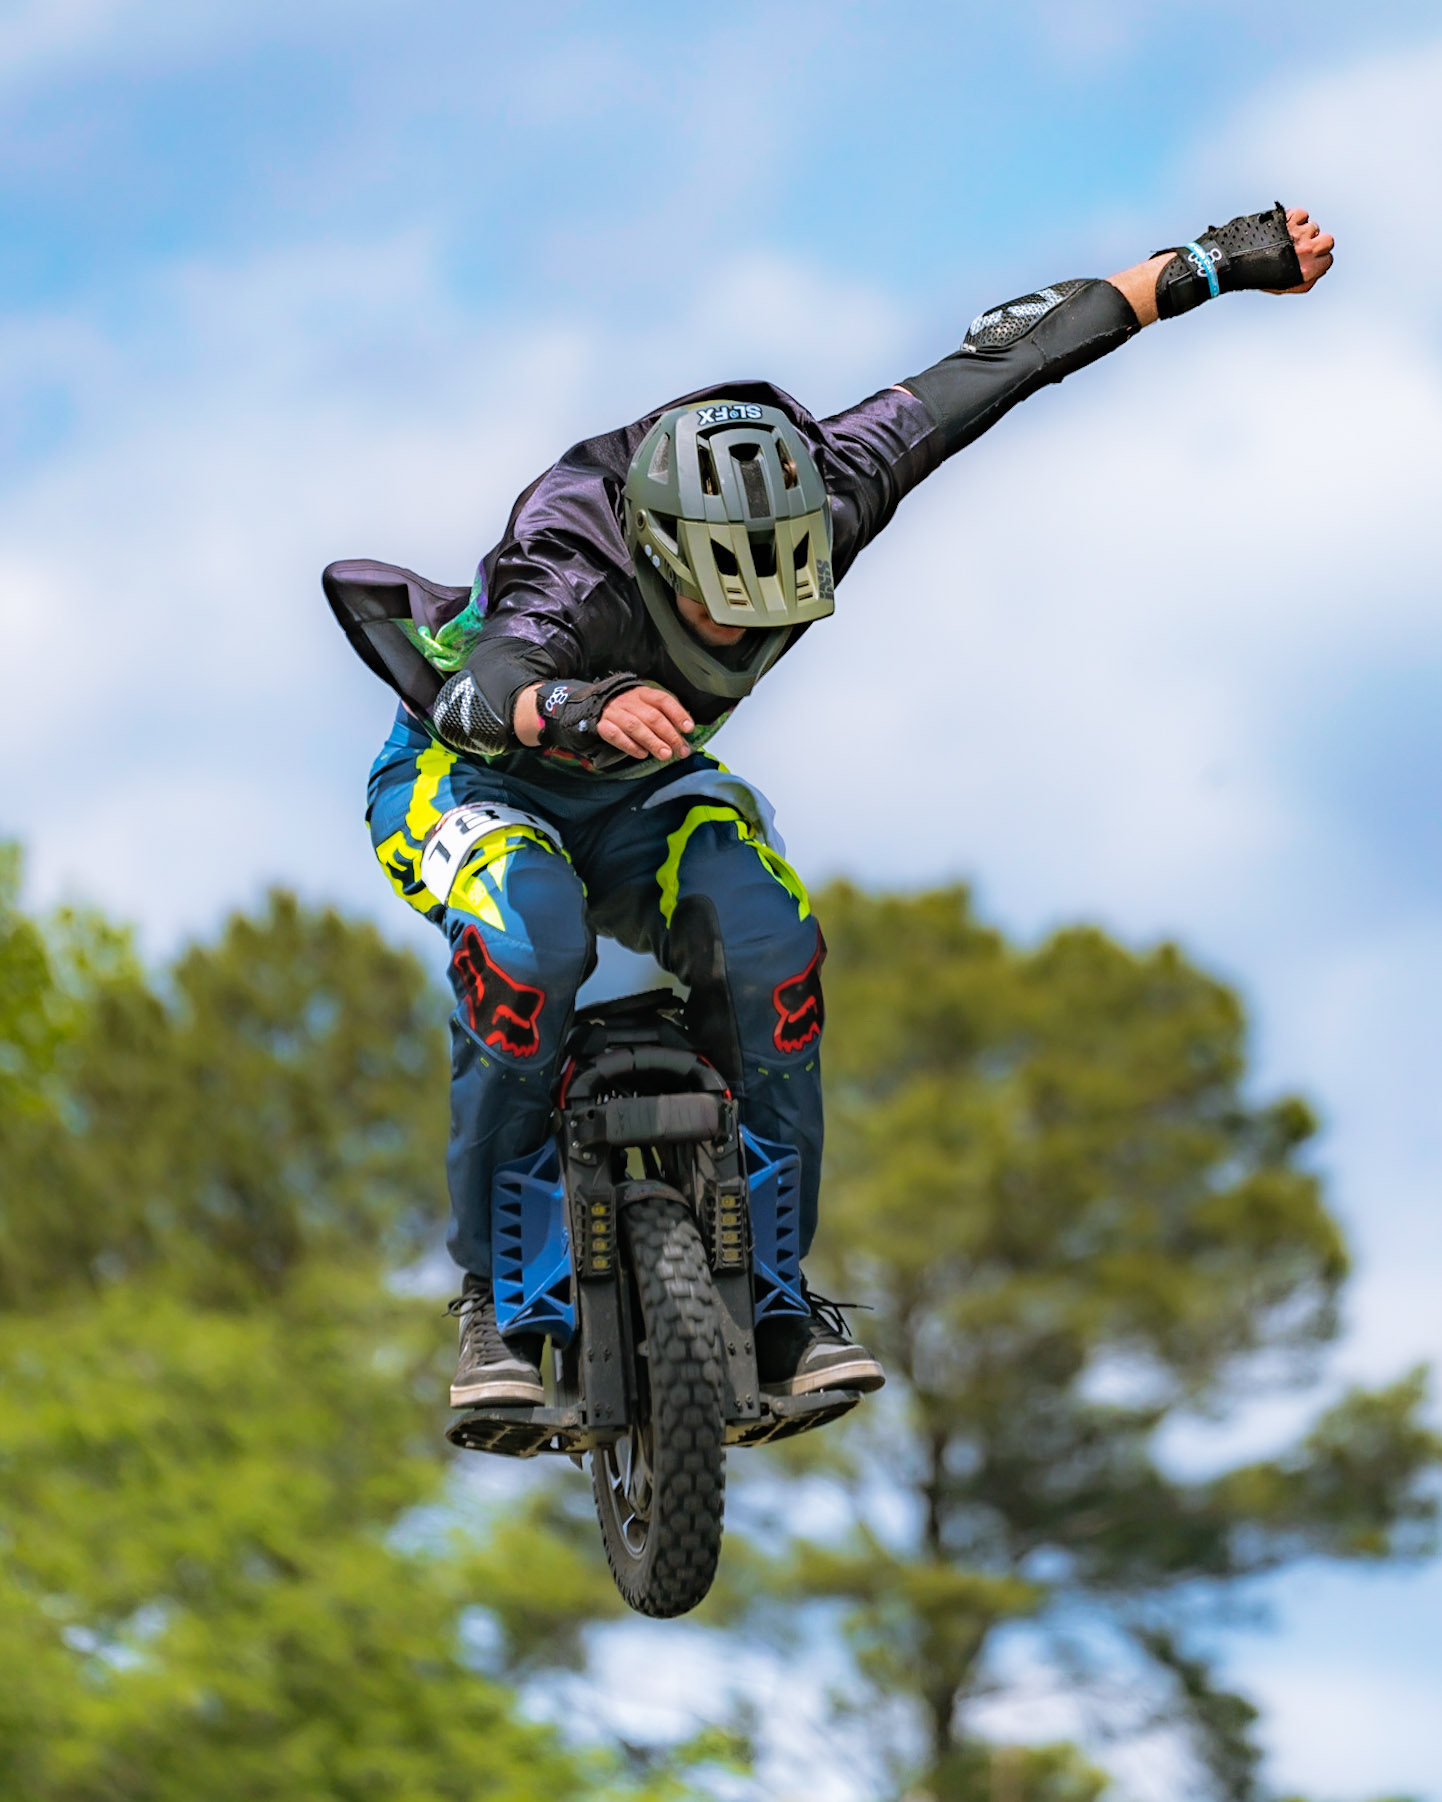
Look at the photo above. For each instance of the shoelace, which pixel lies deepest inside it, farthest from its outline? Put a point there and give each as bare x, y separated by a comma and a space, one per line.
478, 1319
832, 1314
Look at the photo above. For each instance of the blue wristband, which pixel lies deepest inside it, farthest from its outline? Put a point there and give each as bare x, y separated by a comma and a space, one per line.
1205, 266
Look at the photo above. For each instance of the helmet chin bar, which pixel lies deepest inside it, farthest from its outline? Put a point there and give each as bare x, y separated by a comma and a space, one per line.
724, 501
696, 661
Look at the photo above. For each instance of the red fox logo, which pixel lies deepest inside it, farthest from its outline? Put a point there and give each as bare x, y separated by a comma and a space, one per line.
503, 1014
800, 1011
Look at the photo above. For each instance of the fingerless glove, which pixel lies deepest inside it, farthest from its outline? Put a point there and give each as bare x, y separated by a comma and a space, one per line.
1254, 250
570, 711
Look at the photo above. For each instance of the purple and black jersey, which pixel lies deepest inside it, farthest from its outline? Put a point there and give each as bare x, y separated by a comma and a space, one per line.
561, 590
558, 597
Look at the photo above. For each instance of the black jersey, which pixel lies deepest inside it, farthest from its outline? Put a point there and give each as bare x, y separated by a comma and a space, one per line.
558, 596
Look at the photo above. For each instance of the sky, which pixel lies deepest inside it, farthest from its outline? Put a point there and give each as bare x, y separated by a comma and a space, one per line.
281, 283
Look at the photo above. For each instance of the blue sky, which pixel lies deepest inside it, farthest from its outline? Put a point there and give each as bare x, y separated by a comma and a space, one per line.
286, 282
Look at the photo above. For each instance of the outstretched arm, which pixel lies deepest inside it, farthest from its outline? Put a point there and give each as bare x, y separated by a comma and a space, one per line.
1024, 344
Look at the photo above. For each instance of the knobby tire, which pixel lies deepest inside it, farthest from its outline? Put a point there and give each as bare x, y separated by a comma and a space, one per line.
664, 1564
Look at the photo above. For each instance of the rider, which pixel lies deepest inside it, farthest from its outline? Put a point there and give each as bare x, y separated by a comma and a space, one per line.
545, 780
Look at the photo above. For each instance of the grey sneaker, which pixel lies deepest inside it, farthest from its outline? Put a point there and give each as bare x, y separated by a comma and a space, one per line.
490, 1370
799, 1354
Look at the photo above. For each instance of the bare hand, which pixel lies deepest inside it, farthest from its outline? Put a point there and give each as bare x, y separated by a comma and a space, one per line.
646, 722
1314, 249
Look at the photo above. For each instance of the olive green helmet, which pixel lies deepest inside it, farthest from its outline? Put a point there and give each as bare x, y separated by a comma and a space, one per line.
724, 503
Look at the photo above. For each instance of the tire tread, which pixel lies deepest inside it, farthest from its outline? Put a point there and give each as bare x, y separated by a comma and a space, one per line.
683, 1331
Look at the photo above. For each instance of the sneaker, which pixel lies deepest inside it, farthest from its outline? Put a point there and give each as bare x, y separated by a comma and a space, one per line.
490, 1370
798, 1354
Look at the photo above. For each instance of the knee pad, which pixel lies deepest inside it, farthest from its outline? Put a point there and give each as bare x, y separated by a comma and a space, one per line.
798, 1004
773, 1005
466, 833
520, 945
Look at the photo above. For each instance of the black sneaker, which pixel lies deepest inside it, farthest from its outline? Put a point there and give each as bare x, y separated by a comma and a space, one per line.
490, 1370
798, 1354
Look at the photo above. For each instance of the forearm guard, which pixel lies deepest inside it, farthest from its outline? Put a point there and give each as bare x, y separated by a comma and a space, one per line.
570, 712
1254, 250
1017, 348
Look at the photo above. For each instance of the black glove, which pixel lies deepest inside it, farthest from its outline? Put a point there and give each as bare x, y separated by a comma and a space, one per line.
570, 712
1254, 250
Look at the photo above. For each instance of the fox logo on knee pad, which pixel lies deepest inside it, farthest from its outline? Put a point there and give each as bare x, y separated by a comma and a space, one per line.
800, 1010
503, 1013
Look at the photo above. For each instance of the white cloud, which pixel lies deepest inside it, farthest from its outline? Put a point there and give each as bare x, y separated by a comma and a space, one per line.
1364, 141
1352, 1712
42, 40
274, 414
1080, 664
1093, 664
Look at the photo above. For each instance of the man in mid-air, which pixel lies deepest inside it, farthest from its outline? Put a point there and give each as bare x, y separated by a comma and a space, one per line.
545, 782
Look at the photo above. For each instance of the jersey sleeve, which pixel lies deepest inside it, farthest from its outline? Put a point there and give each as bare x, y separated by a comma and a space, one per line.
871, 456
554, 606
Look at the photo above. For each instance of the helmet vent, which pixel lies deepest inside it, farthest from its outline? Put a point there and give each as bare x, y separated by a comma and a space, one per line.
664, 526
725, 558
802, 548
790, 474
661, 459
763, 553
709, 484
753, 480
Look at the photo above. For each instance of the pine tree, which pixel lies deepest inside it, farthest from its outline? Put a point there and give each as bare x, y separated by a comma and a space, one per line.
234, 1566
1047, 1172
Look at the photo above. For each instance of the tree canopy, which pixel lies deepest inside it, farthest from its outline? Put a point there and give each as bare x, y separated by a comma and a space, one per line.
1077, 1226
217, 1414
237, 1563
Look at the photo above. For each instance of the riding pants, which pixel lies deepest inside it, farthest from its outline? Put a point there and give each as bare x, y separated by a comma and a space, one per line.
689, 879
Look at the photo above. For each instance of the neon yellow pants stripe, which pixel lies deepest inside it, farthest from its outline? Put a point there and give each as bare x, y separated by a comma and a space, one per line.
668, 877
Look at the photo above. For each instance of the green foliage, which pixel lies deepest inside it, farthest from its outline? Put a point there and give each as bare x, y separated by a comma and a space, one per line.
234, 1563
197, 1505
977, 1773
29, 1029
1047, 1173
1350, 1488
216, 1413
286, 1100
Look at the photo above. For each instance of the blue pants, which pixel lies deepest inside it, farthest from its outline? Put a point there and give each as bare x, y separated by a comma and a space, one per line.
688, 880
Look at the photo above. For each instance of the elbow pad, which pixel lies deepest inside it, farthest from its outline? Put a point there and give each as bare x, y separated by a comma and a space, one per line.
466, 720
1254, 250
475, 710
1017, 348
1067, 325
